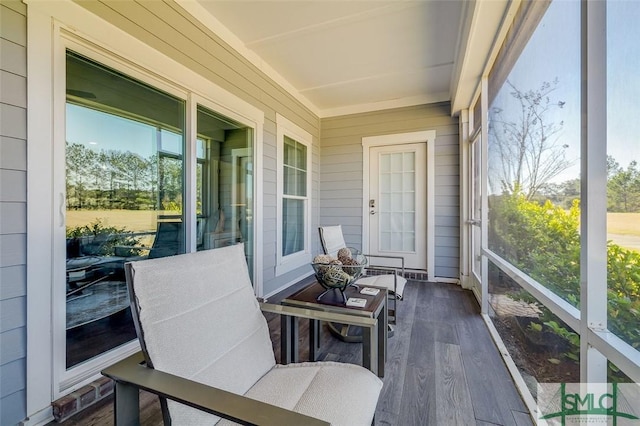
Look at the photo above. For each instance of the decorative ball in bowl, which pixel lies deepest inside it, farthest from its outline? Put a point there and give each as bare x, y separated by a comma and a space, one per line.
341, 271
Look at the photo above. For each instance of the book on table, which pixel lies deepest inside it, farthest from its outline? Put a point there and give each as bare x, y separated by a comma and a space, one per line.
370, 291
356, 302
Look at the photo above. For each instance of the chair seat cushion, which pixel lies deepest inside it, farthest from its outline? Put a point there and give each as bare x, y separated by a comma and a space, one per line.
385, 281
339, 393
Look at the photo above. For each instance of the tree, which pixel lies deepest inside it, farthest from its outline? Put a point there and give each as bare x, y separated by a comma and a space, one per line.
623, 187
79, 162
561, 194
527, 147
109, 179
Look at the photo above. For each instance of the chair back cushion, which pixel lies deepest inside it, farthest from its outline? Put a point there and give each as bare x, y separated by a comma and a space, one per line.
332, 239
168, 241
198, 318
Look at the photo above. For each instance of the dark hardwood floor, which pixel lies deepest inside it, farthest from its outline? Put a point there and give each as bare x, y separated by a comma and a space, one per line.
442, 366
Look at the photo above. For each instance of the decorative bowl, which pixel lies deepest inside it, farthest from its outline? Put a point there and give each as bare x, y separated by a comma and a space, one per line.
339, 272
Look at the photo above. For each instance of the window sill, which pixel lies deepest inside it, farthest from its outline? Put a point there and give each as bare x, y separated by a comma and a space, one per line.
292, 262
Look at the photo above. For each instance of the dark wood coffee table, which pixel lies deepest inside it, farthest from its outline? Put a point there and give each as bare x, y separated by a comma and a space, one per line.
374, 338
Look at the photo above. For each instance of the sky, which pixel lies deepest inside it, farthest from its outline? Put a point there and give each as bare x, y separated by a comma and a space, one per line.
98, 131
102, 131
554, 52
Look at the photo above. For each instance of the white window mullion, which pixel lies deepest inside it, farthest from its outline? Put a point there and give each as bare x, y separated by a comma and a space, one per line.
593, 259
190, 165
291, 261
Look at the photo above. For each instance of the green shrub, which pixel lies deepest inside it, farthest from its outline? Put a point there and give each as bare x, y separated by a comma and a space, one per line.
104, 239
543, 240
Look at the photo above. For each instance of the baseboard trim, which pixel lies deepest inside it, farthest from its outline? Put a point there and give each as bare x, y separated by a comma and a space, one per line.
40, 418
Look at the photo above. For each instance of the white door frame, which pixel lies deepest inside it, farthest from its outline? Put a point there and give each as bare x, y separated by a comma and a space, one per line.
428, 137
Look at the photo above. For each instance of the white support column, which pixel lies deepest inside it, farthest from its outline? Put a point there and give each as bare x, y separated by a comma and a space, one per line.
593, 220
465, 235
484, 213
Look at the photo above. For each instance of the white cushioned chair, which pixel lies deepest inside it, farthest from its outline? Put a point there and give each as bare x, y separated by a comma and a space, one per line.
332, 240
199, 323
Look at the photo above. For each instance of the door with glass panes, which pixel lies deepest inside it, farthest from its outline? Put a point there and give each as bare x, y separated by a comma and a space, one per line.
397, 204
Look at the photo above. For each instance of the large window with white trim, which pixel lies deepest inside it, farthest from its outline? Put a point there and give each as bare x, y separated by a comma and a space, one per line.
294, 190
124, 197
132, 155
128, 193
295, 199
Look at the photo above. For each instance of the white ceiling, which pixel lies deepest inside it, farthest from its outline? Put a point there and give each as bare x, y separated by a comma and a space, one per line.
340, 56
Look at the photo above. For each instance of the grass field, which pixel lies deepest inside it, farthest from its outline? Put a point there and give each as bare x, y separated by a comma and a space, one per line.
132, 220
624, 229
623, 223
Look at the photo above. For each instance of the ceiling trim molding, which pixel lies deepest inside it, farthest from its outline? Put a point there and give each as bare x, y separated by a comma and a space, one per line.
195, 9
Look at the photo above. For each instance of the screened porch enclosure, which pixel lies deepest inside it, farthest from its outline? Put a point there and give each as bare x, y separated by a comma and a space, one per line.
553, 195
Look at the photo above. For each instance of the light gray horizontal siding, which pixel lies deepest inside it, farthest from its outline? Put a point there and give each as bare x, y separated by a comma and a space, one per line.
11, 381
13, 22
13, 218
13, 314
341, 175
13, 153
452, 272
13, 56
14, 89
13, 186
11, 404
447, 241
12, 345
13, 121
14, 282
13, 250
13, 196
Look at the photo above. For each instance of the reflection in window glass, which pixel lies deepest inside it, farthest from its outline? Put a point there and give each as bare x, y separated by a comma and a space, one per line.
534, 151
224, 187
293, 229
623, 177
533, 195
295, 168
124, 195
